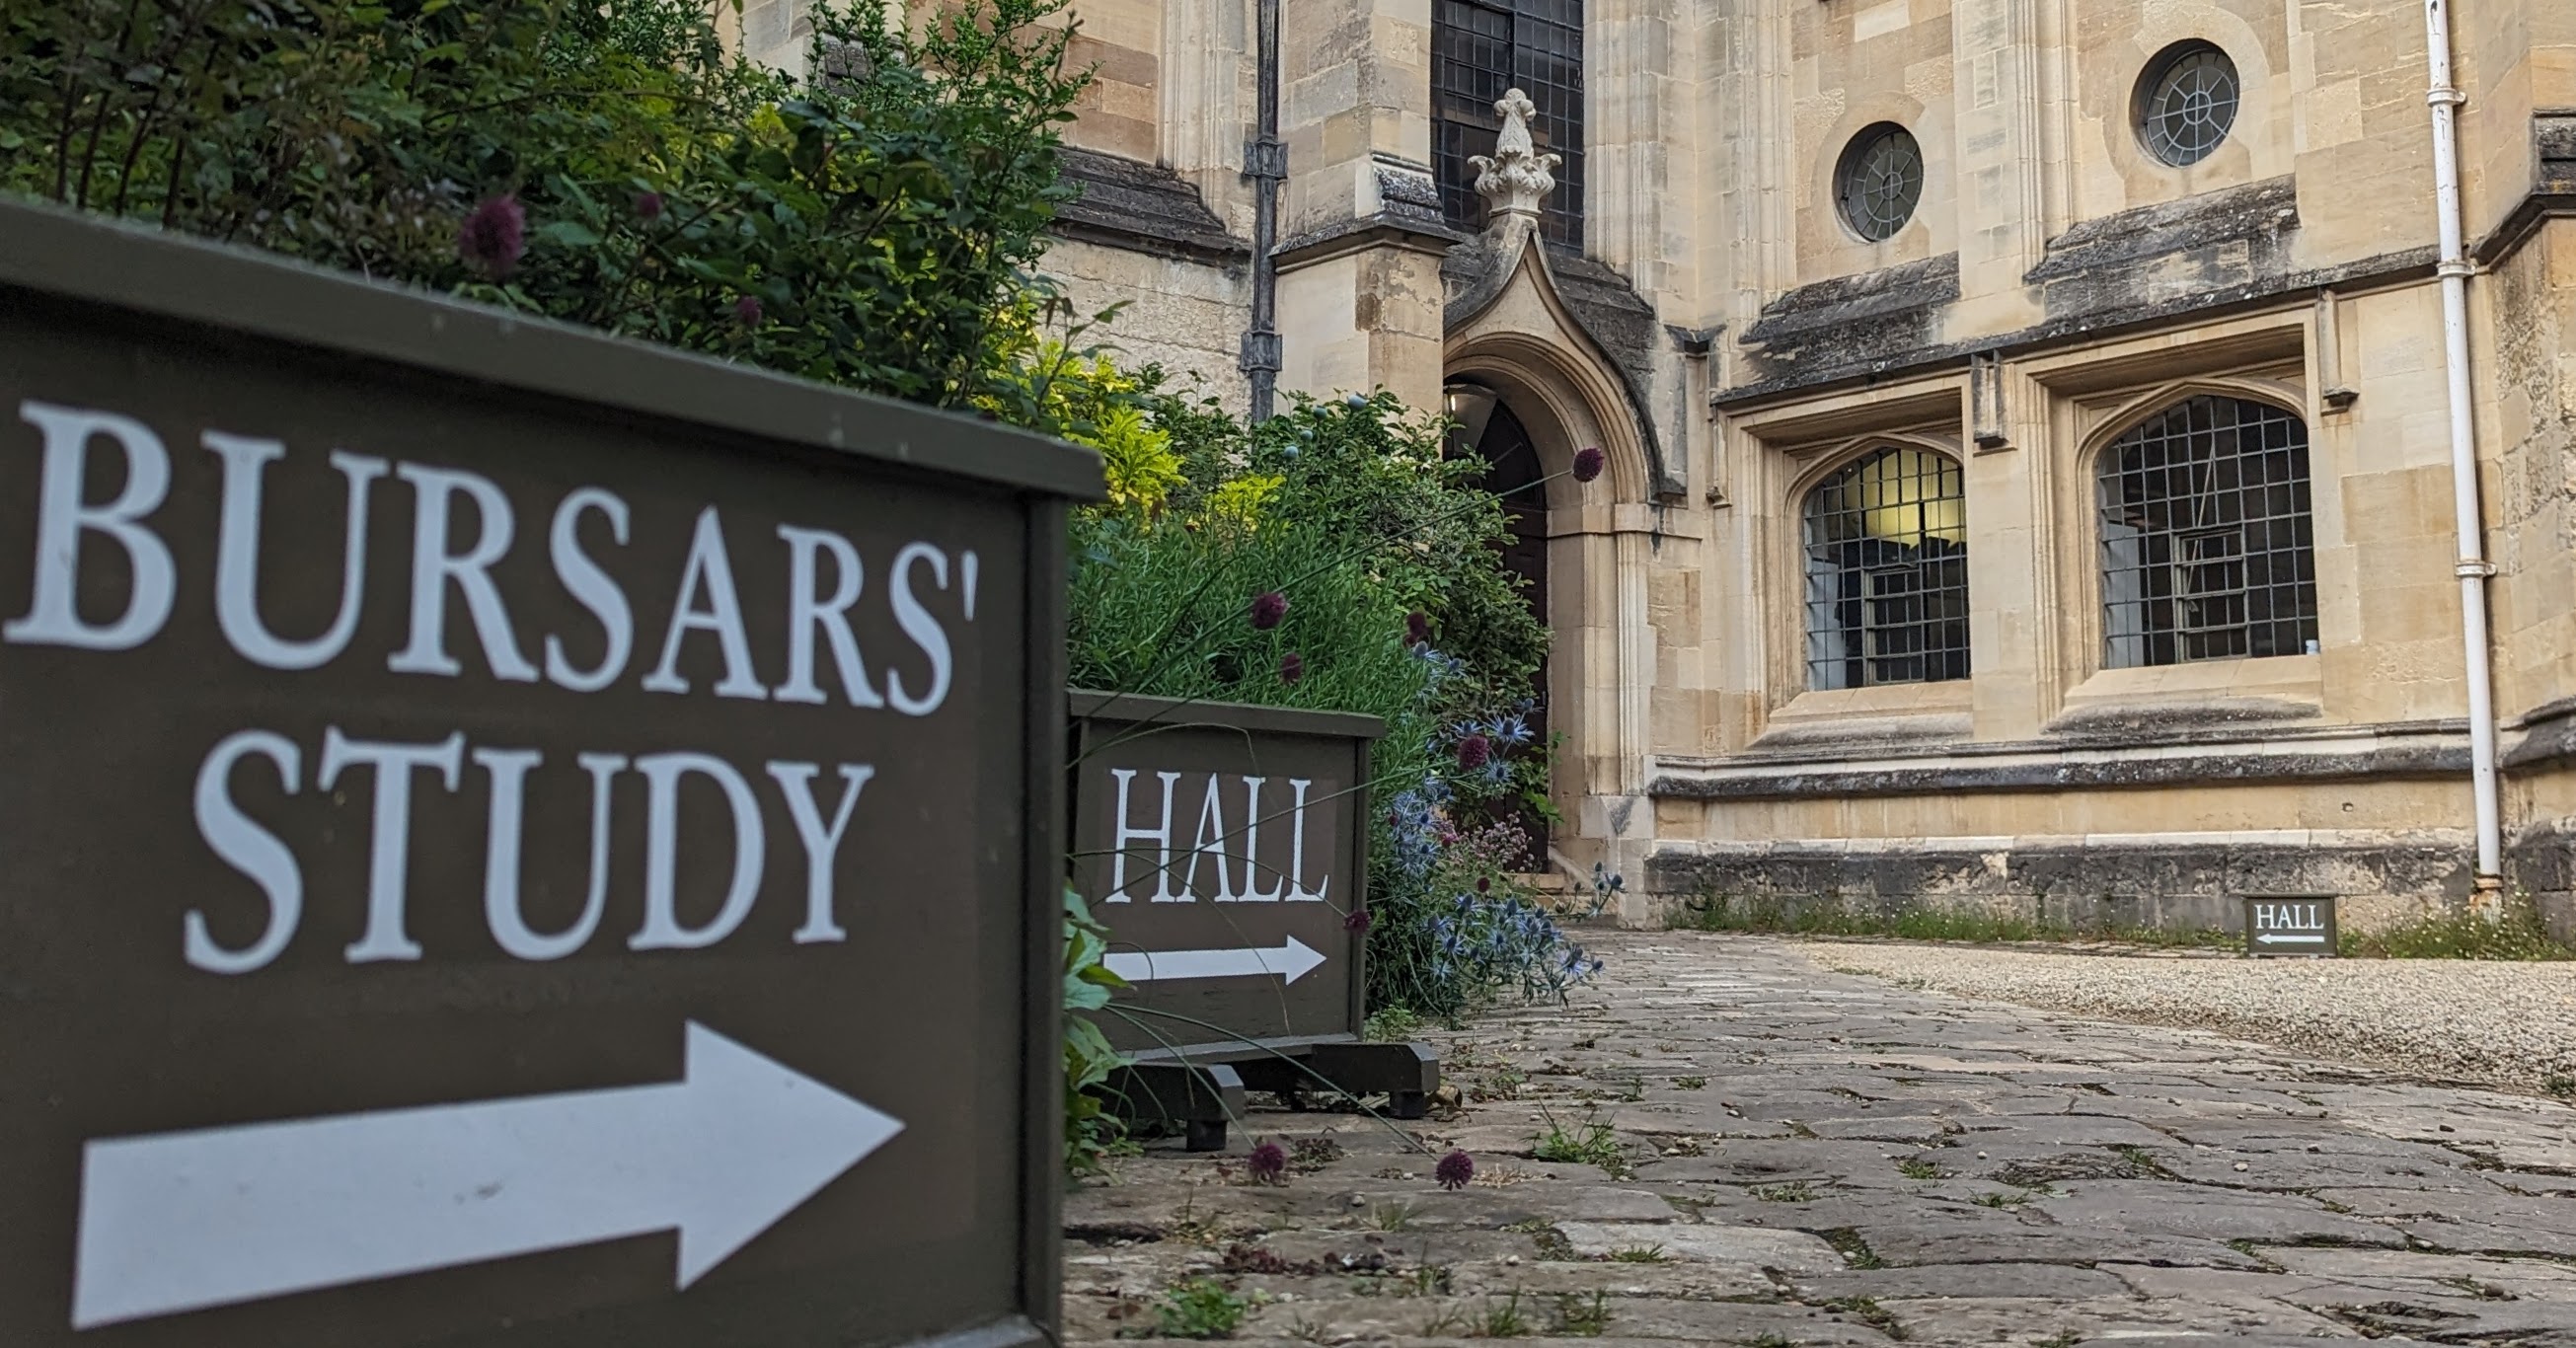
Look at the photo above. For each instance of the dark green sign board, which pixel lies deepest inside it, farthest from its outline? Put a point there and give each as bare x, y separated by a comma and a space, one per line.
1225, 848
2290, 924
514, 837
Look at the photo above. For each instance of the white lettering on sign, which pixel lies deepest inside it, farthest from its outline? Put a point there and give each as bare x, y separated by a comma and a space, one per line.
237, 555
184, 1221
1210, 842
464, 527
434, 568
708, 579
61, 519
593, 589
2289, 917
1127, 832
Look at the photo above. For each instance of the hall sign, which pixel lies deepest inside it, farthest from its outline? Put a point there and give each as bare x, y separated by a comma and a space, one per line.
1224, 847
513, 837
2295, 924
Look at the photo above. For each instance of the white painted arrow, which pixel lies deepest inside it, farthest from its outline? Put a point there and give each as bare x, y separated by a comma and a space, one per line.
2290, 938
1292, 961
183, 1221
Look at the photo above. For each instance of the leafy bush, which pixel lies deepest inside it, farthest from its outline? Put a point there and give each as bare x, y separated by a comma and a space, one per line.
602, 161
1336, 557
2515, 933
1200, 1308
1089, 1130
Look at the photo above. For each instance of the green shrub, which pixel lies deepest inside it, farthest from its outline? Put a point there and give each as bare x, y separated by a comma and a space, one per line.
2513, 934
1353, 514
874, 228
1200, 1308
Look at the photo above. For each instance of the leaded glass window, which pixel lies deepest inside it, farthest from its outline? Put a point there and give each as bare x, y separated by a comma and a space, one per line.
2187, 103
1479, 49
1879, 181
2208, 552
1887, 571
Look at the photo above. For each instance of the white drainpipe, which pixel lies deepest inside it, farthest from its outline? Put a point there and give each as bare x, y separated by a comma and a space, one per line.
2474, 569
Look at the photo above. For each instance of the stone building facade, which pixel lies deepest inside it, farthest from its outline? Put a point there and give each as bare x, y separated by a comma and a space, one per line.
2031, 456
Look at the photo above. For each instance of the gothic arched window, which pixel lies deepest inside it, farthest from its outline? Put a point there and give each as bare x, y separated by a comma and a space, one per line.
1479, 49
1887, 571
2207, 548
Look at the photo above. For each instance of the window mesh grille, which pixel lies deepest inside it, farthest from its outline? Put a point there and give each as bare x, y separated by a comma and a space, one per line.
2189, 105
1479, 49
2208, 552
1880, 181
1887, 572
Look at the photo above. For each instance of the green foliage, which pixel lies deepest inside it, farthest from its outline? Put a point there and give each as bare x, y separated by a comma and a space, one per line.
1639, 1254
1200, 1308
1353, 511
2513, 934
1089, 1131
1589, 1142
884, 216
1717, 912
1393, 1024
1916, 1168
1581, 1316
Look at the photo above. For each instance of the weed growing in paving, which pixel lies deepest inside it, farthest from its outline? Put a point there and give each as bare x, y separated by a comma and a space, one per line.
1784, 1193
1498, 1320
1390, 1025
1638, 1254
1689, 1083
1200, 1308
1855, 1251
1391, 1216
1916, 1168
2000, 1199
1583, 1317
1590, 1142
2559, 1084
2515, 934
1868, 1312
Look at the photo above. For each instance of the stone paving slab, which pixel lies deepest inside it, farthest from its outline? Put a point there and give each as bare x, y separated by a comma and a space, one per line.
1769, 1152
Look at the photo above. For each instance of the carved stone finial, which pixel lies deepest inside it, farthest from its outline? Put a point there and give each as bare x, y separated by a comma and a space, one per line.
1516, 179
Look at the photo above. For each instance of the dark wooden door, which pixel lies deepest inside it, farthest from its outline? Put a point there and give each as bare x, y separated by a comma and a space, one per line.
1513, 471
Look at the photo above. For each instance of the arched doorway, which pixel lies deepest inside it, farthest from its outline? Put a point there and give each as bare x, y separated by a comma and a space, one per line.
1486, 429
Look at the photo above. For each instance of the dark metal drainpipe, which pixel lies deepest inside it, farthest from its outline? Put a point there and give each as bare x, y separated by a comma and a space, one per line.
1265, 162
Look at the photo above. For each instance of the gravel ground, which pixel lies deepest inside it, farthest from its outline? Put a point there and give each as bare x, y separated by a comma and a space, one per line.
2510, 1025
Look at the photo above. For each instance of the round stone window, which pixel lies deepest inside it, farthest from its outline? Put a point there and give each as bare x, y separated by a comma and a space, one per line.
2187, 102
1880, 181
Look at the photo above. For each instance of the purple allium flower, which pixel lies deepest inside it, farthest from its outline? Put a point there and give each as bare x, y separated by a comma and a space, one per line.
1357, 919
1587, 465
1454, 1170
1473, 752
1417, 628
1268, 607
494, 236
1292, 667
648, 205
748, 310
1267, 1164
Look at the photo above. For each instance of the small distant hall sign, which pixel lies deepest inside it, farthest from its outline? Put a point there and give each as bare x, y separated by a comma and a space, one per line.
1225, 848
512, 837
2290, 924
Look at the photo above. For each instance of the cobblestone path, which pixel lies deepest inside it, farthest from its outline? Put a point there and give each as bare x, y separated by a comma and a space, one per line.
1772, 1153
